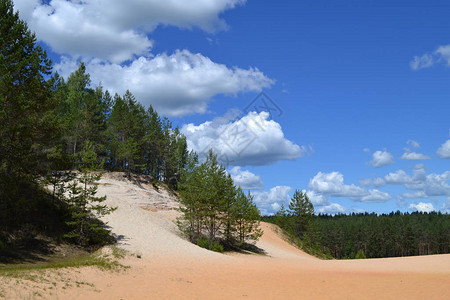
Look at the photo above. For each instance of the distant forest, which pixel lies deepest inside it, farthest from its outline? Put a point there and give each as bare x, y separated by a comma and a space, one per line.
367, 235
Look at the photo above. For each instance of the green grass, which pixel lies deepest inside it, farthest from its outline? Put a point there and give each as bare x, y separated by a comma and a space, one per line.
96, 259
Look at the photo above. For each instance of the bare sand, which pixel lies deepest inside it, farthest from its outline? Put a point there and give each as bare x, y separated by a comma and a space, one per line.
172, 268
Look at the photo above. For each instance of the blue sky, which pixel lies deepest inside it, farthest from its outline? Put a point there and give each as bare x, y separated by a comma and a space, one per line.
359, 90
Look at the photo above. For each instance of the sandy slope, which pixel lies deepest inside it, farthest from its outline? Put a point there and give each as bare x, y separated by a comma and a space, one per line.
172, 268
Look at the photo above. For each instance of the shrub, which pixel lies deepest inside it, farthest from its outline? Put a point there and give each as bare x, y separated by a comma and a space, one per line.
360, 254
213, 246
216, 247
204, 243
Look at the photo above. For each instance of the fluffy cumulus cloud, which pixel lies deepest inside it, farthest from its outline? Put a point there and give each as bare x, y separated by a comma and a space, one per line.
432, 184
323, 206
376, 182
269, 202
440, 55
381, 158
422, 207
253, 140
444, 150
397, 177
375, 196
116, 30
425, 185
178, 84
410, 155
415, 195
246, 179
317, 199
112, 37
414, 156
332, 184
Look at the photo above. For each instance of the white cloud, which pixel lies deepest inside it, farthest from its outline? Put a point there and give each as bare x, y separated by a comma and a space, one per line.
444, 53
269, 202
116, 30
375, 196
381, 158
251, 140
414, 156
332, 209
111, 36
413, 143
422, 207
178, 84
408, 155
444, 150
415, 195
398, 177
422, 62
332, 184
376, 182
426, 185
317, 199
430, 184
436, 184
246, 179
440, 55
446, 206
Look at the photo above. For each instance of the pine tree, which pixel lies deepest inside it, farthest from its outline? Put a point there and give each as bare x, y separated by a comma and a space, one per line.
28, 123
247, 218
84, 111
86, 207
281, 218
26, 102
302, 211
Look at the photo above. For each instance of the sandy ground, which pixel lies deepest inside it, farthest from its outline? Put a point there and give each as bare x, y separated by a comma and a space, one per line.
172, 268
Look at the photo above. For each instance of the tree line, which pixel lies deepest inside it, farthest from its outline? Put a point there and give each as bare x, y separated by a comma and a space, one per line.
385, 235
364, 235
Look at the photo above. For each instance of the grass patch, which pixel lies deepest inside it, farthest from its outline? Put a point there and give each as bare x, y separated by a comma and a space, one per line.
97, 259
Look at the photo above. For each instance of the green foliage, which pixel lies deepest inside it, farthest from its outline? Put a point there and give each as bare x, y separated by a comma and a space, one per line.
210, 245
27, 119
386, 235
360, 254
302, 212
246, 218
83, 112
201, 242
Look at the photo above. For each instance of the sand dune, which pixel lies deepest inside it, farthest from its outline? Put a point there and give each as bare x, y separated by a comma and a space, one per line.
172, 268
